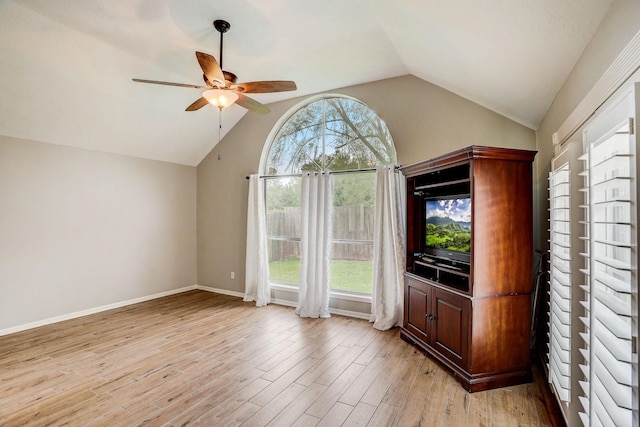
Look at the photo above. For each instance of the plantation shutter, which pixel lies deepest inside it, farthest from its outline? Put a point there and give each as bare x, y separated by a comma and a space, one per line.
610, 368
593, 274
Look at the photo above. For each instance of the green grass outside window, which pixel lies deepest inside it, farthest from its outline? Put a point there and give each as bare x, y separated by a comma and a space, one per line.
346, 275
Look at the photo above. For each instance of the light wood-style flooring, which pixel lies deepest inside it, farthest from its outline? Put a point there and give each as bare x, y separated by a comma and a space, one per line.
199, 358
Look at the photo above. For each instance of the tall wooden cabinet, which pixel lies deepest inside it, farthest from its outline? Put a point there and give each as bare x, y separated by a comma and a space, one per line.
468, 302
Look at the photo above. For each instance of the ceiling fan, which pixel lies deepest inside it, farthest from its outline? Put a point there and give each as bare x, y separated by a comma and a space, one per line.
221, 89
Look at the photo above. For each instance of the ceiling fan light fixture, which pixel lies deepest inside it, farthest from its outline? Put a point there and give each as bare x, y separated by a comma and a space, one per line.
220, 98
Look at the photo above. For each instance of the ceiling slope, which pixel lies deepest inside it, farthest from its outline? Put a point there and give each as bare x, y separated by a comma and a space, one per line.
66, 67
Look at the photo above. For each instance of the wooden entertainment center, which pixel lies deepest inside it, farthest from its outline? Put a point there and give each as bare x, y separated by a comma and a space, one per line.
470, 307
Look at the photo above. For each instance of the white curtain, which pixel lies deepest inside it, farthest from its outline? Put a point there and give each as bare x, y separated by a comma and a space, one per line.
315, 241
387, 296
256, 286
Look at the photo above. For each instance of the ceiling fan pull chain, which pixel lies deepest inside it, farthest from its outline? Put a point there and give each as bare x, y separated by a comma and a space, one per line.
219, 124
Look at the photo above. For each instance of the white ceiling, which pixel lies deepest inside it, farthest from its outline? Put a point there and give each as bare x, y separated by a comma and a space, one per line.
66, 66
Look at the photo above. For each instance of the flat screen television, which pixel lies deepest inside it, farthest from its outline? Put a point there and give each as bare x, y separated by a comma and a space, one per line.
448, 228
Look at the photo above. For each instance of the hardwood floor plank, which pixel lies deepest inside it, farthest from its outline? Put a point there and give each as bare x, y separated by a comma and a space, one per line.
361, 415
307, 353
330, 375
283, 353
361, 384
81, 413
220, 391
547, 409
194, 386
298, 406
330, 396
199, 358
434, 413
268, 412
417, 396
320, 368
12, 402
219, 412
240, 416
285, 380
502, 407
524, 406
336, 416
456, 408
378, 344
47, 408
384, 416
110, 417
380, 385
397, 392
306, 421
479, 414
138, 394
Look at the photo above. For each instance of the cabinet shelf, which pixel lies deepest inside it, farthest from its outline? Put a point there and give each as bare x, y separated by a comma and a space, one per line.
443, 184
443, 274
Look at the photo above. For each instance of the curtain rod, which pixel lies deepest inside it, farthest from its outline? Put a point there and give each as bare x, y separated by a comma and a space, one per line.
296, 175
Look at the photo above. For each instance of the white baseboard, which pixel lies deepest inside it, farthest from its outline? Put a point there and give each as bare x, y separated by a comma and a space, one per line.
119, 304
288, 303
349, 313
337, 311
94, 310
220, 291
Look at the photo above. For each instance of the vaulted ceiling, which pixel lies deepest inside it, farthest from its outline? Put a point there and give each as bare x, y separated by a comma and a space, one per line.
66, 66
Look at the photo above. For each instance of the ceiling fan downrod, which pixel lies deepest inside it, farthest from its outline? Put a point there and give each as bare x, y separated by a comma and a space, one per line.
222, 26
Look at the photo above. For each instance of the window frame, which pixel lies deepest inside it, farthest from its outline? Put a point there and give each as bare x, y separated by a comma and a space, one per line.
264, 160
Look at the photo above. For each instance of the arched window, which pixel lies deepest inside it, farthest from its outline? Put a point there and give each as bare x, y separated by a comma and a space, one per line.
338, 135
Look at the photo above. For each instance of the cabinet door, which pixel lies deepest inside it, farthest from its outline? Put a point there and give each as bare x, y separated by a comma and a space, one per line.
417, 304
450, 333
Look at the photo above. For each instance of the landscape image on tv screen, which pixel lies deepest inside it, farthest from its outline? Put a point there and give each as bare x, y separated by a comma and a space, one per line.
448, 225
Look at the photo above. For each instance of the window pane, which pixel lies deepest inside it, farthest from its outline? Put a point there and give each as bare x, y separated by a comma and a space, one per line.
354, 196
351, 267
355, 131
352, 248
285, 270
283, 207
298, 143
283, 229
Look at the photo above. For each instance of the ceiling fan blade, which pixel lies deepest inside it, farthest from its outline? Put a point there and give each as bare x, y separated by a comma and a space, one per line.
197, 104
265, 86
251, 104
156, 82
210, 68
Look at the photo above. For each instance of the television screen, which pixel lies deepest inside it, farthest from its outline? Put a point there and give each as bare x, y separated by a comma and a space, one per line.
448, 225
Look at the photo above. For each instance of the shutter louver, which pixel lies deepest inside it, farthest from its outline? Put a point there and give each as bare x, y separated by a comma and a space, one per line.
560, 283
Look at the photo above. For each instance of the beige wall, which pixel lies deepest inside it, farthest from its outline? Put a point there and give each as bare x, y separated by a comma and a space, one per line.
424, 120
618, 27
81, 229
